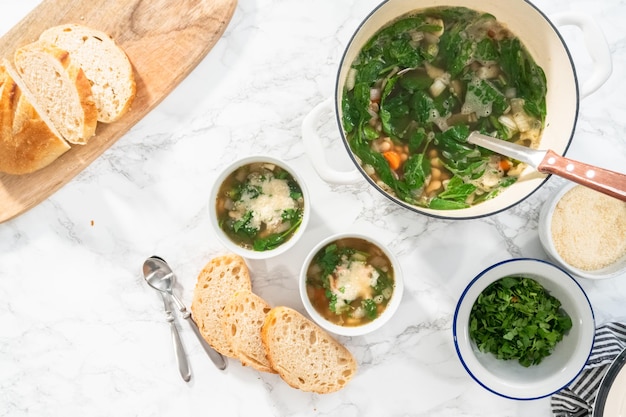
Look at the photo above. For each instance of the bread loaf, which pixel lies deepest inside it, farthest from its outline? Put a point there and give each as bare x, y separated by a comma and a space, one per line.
60, 88
220, 278
27, 141
303, 354
105, 64
62, 85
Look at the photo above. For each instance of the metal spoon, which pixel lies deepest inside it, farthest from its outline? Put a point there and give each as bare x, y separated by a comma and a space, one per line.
547, 161
179, 350
160, 276
181, 355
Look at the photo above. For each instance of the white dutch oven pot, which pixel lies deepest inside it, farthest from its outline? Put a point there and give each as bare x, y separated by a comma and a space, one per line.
541, 38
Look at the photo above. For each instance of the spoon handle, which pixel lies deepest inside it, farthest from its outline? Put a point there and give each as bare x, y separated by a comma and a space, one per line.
217, 358
603, 180
179, 350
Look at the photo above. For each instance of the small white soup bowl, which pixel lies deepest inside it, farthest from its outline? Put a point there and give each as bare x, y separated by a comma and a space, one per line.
508, 378
235, 247
356, 330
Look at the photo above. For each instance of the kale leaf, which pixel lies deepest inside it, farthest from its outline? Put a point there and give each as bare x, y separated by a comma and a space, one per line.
276, 239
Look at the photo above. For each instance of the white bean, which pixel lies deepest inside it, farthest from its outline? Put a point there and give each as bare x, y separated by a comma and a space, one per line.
433, 186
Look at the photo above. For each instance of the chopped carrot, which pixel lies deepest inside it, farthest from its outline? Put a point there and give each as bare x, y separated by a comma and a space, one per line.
393, 158
505, 165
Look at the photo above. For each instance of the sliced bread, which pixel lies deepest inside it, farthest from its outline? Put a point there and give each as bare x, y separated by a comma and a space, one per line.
305, 356
27, 141
60, 88
242, 319
220, 278
105, 64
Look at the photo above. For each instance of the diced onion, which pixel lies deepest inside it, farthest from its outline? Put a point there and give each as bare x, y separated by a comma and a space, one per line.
488, 72
387, 292
522, 121
358, 313
351, 79
510, 92
517, 105
508, 122
417, 36
437, 87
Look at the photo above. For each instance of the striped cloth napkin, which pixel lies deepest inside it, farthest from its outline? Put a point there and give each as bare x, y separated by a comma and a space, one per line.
577, 400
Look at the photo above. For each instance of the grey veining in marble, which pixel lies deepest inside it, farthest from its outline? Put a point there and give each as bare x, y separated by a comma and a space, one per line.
81, 334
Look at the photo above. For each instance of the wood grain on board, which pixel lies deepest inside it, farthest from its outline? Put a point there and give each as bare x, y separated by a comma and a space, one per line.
164, 40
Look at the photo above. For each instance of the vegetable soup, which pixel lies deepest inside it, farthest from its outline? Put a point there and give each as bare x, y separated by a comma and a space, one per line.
260, 206
417, 89
350, 281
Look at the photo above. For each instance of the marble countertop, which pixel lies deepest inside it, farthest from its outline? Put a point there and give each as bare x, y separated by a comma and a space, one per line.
82, 334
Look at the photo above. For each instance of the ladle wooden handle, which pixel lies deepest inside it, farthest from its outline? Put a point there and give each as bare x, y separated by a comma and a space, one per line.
603, 180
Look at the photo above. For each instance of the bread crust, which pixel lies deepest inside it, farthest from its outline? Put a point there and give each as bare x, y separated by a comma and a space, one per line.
220, 278
7, 97
60, 87
27, 142
305, 356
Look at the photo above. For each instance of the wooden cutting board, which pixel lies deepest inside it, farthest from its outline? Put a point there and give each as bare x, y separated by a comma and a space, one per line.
164, 40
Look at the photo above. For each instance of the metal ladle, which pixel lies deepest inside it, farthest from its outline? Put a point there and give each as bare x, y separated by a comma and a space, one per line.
160, 276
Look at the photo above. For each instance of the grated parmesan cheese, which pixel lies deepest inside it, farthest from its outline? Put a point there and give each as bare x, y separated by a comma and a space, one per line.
266, 207
589, 228
353, 280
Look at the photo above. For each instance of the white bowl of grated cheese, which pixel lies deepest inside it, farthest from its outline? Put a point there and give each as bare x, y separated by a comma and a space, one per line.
259, 207
351, 284
584, 231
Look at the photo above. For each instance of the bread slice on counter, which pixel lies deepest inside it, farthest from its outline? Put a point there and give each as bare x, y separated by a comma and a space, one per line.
28, 141
105, 64
60, 88
305, 356
220, 278
242, 320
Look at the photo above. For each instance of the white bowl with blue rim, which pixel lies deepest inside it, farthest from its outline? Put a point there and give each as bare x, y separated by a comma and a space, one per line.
507, 378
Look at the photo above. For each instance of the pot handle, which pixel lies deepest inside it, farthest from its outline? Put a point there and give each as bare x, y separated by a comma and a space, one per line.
314, 148
597, 47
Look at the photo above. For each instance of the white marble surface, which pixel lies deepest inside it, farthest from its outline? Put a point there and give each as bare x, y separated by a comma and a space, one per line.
82, 334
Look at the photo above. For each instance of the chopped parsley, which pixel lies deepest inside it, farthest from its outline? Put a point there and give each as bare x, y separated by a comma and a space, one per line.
515, 318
